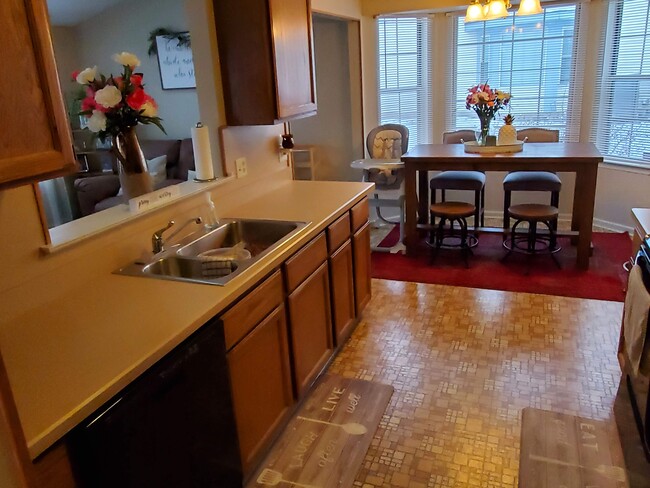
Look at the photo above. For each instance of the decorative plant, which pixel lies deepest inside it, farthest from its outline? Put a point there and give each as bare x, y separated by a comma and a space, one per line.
183, 39
115, 104
486, 102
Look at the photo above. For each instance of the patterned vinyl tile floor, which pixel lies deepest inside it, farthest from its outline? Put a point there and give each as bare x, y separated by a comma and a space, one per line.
464, 362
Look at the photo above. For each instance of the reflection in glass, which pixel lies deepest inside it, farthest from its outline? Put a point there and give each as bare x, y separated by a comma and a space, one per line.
85, 34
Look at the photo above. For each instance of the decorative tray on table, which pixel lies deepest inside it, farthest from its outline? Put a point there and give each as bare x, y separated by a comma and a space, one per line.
473, 147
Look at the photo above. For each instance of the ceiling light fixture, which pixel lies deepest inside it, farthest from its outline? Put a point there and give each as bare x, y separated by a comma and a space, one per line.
498, 9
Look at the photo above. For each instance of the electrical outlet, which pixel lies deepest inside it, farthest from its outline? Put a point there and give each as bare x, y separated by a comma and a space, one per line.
283, 156
242, 168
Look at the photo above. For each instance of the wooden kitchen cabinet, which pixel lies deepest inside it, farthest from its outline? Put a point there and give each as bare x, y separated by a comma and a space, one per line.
35, 140
362, 284
266, 56
262, 391
342, 284
641, 220
311, 328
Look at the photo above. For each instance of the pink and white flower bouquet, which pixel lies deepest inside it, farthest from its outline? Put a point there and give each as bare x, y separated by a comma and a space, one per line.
112, 105
486, 102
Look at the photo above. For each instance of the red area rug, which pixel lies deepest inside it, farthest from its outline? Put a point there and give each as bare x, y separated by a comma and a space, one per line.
604, 280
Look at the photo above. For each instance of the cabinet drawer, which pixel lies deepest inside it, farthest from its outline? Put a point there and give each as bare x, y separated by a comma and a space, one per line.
360, 213
338, 232
305, 262
248, 312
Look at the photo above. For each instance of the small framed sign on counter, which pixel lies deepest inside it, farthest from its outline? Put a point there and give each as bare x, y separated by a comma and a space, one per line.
175, 63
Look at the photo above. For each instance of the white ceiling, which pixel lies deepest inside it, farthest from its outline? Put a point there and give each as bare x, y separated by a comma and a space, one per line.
72, 12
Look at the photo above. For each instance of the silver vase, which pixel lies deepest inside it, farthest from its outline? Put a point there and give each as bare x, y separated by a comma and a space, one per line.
132, 165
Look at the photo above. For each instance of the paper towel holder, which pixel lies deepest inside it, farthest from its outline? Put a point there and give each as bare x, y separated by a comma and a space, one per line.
199, 125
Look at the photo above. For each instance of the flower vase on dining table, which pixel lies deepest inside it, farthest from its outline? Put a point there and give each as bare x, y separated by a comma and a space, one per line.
135, 179
486, 102
484, 131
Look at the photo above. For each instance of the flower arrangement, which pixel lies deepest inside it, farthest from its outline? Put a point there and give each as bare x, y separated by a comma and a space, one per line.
486, 102
112, 105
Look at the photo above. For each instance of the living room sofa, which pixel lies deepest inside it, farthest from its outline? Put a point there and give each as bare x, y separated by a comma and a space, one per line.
97, 193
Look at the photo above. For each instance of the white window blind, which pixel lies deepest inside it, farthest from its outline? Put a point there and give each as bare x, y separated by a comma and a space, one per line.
621, 125
405, 75
536, 58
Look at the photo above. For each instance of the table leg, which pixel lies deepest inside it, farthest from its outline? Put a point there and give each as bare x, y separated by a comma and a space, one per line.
411, 209
583, 211
423, 196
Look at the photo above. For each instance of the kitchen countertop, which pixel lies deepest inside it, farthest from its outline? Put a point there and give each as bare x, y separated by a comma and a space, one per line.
92, 348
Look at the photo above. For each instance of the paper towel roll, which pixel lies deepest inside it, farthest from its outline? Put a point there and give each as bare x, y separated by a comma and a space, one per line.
202, 153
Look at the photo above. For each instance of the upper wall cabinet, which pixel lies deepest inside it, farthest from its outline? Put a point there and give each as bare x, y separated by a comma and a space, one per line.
35, 139
267, 67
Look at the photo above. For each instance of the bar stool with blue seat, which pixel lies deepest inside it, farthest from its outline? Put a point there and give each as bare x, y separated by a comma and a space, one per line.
527, 181
460, 180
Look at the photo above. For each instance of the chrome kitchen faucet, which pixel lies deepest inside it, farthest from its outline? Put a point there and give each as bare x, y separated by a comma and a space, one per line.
157, 242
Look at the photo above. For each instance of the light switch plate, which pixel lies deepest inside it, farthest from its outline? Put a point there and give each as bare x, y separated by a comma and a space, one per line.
242, 167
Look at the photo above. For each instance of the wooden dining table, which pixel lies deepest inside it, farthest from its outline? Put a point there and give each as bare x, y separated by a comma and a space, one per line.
581, 158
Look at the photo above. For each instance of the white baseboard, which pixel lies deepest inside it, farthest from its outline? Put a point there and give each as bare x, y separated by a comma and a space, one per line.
566, 218
613, 226
498, 214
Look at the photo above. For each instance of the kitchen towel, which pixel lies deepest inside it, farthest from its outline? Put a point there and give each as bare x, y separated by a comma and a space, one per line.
202, 153
635, 322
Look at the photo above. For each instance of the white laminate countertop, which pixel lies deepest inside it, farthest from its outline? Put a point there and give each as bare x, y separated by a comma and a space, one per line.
65, 360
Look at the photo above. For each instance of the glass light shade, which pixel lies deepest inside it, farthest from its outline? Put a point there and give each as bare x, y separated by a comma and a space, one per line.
529, 7
474, 12
496, 9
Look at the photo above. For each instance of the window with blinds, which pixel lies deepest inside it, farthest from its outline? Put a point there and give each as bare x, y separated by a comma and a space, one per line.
405, 75
621, 126
535, 58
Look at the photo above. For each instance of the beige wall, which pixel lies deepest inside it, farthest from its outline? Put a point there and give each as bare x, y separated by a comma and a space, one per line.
340, 8
330, 131
208, 72
376, 7
65, 43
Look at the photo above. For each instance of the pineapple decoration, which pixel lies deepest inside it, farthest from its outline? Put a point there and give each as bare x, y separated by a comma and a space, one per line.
508, 133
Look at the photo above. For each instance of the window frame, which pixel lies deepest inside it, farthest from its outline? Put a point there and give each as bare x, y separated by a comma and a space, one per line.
570, 129
422, 88
601, 133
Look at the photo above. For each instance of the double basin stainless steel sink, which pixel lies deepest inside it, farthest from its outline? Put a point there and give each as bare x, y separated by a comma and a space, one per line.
243, 242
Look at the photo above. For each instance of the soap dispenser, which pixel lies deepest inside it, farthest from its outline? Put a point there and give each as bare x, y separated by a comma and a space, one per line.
212, 219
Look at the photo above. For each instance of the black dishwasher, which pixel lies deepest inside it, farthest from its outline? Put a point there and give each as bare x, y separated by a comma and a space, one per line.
172, 427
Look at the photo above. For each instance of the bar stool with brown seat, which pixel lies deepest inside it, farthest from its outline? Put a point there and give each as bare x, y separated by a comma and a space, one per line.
454, 212
532, 242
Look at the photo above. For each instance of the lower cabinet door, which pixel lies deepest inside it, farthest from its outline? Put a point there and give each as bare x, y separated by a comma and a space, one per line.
311, 327
342, 283
260, 377
362, 286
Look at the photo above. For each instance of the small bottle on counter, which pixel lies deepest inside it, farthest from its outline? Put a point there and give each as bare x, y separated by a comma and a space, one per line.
212, 219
